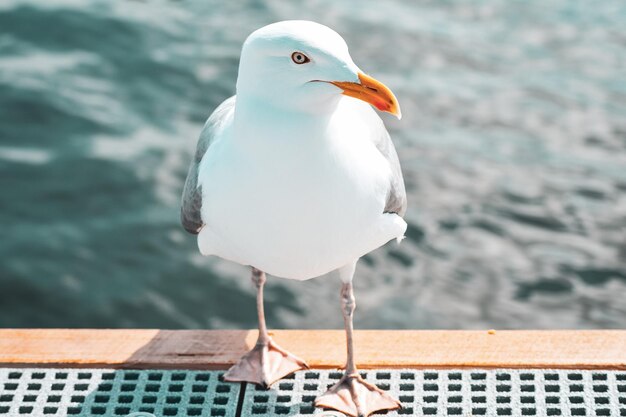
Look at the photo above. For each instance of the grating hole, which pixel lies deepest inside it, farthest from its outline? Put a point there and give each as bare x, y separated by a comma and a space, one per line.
125, 399
527, 400
38, 375
576, 400
603, 412
283, 398
503, 388
431, 376
194, 411
84, 375
431, 398
335, 375
552, 388
406, 410
620, 377
503, 411
74, 410
575, 377
259, 409
178, 376
576, 388
197, 399
474, 387
146, 409
503, 377
527, 388
384, 386
218, 412
407, 375
551, 377
261, 398
176, 387
108, 376
98, 410
553, 412
529, 411
6, 398
122, 411
600, 388
15, 375
479, 411
203, 388
101, 399
155, 376
407, 398
552, 400
10, 387
454, 410
218, 400
311, 375
78, 398
383, 375
502, 399
81, 387
455, 399
578, 412
478, 376
308, 398
431, 387
107, 386
479, 400
282, 409
454, 376
407, 387
60, 375
149, 399
527, 377
601, 400
170, 411
173, 399
307, 409
203, 376
34, 387
430, 410
50, 410
599, 377
307, 387
54, 398
287, 386
26, 409
57, 387
621, 388
30, 398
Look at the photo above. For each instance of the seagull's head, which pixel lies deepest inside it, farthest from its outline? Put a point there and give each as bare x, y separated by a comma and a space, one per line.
305, 66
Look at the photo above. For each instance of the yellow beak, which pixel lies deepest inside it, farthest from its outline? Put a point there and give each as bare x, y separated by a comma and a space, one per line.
373, 92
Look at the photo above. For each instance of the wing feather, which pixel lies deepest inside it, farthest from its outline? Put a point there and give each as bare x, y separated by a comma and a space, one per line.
191, 207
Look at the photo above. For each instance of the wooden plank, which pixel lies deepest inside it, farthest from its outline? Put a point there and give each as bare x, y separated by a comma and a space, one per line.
218, 349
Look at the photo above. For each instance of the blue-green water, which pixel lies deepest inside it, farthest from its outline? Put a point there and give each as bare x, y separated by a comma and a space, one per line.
513, 145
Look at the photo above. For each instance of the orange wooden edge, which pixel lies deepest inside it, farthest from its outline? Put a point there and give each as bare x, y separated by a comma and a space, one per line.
218, 349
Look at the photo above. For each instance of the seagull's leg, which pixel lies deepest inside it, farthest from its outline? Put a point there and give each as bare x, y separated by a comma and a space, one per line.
267, 362
352, 395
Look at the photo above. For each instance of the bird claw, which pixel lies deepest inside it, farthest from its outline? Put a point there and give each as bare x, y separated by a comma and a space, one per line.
265, 364
355, 397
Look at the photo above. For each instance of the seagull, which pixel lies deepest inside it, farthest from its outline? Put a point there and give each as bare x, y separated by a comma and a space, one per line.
296, 176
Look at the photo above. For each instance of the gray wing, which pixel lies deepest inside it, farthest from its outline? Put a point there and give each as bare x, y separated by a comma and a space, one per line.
396, 197
191, 206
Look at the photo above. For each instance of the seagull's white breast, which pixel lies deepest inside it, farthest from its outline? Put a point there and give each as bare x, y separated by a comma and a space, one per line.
299, 201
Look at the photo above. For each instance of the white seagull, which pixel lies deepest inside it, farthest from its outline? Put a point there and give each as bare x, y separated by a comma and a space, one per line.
296, 176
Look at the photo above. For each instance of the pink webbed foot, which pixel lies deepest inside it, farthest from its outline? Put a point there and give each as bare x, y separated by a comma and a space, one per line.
355, 397
265, 364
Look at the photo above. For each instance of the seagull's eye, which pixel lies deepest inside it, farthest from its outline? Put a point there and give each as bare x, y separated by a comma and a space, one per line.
299, 58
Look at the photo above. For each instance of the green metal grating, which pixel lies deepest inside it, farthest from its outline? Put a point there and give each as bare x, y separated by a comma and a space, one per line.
109, 393
494, 393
